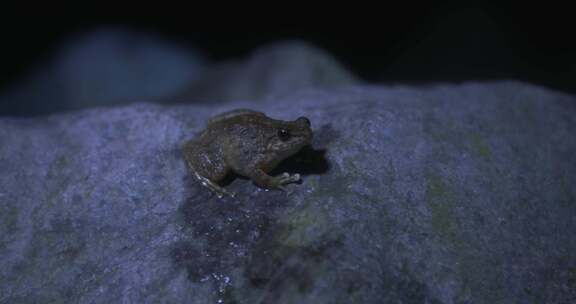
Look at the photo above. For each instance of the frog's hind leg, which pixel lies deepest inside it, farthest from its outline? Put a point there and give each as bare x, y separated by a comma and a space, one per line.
274, 182
215, 188
201, 165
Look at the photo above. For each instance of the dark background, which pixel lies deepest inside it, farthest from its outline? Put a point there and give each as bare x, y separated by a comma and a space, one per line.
415, 44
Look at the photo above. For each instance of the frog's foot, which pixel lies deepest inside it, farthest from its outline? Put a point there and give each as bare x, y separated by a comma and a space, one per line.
216, 189
274, 182
283, 179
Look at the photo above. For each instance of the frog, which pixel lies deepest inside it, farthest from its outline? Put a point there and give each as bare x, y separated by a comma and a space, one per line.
247, 143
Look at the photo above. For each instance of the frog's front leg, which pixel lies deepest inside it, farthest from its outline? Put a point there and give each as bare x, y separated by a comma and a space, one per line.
273, 182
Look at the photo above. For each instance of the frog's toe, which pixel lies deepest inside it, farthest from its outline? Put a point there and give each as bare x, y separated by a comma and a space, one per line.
296, 177
286, 178
221, 192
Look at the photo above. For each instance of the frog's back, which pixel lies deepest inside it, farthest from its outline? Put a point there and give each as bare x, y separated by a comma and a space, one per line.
233, 114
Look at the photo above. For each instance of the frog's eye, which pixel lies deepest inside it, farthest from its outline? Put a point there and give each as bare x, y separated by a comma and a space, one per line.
283, 134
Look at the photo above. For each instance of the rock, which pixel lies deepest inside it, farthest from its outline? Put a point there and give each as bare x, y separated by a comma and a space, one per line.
447, 194
115, 66
103, 67
269, 72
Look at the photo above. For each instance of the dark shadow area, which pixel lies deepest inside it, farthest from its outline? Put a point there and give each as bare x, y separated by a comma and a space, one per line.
485, 43
230, 234
306, 162
435, 43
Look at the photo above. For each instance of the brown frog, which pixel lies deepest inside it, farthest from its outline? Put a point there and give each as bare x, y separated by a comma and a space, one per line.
247, 143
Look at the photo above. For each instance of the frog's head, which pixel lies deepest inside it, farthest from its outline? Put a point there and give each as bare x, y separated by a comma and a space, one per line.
289, 137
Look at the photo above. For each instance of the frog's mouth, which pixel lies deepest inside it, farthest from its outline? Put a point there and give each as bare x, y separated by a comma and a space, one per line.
287, 148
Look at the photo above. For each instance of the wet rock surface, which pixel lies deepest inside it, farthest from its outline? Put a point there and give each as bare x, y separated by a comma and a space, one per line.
446, 194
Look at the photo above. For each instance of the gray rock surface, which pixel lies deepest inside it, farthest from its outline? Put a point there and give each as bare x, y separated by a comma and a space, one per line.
447, 194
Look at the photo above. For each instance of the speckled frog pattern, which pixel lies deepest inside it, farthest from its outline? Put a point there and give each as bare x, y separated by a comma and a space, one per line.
247, 143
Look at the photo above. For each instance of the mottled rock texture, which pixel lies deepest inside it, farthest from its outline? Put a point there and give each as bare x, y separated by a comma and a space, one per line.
446, 194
